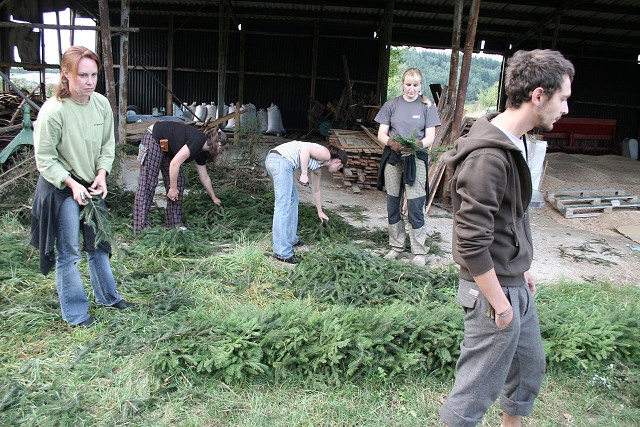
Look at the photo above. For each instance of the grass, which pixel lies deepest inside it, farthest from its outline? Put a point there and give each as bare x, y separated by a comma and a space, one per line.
190, 282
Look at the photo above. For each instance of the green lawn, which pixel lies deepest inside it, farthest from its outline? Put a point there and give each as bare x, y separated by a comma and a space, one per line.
225, 336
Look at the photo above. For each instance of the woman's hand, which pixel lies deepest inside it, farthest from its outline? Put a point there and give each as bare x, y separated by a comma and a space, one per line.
304, 179
172, 194
81, 195
323, 217
394, 145
99, 185
216, 200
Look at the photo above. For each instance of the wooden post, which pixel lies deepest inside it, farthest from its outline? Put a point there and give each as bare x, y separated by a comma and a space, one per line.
241, 70
502, 96
455, 53
123, 77
6, 54
384, 52
72, 21
314, 72
223, 36
170, 65
107, 58
236, 127
59, 35
466, 67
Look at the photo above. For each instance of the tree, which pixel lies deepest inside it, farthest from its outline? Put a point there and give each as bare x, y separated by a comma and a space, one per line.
485, 71
396, 68
488, 99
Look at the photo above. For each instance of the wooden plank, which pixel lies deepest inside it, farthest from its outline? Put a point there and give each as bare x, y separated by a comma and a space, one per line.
372, 136
564, 202
552, 195
584, 211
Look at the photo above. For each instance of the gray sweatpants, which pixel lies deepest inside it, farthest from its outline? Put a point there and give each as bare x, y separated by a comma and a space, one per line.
508, 362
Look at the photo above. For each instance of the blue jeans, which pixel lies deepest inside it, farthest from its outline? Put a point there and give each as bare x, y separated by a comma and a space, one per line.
73, 298
285, 212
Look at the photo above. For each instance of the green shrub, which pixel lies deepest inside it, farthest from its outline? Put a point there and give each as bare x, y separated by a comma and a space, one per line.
589, 325
328, 346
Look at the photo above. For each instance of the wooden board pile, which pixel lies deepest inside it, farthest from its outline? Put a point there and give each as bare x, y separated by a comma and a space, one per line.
364, 157
365, 152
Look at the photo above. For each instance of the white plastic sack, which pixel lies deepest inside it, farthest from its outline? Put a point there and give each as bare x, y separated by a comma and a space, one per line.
177, 111
274, 121
250, 115
188, 110
231, 124
536, 152
261, 115
212, 111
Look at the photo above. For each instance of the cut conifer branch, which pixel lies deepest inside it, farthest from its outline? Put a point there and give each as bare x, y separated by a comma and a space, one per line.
95, 216
409, 142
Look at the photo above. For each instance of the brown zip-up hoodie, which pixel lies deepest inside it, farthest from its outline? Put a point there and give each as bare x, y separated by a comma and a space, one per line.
491, 190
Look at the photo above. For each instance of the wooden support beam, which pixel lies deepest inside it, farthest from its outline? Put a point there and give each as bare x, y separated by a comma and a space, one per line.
466, 66
223, 41
123, 74
110, 30
455, 52
170, 65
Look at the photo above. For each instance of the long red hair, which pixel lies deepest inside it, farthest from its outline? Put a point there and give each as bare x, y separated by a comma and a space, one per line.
70, 61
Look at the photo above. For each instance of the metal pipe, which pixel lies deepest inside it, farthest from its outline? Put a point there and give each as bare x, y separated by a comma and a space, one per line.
19, 92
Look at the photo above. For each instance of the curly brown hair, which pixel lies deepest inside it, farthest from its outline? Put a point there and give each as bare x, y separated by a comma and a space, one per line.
215, 136
528, 70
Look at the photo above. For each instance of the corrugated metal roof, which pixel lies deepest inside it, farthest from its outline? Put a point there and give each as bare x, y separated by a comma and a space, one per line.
604, 23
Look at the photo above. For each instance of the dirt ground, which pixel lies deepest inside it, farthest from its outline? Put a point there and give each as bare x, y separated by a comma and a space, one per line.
588, 249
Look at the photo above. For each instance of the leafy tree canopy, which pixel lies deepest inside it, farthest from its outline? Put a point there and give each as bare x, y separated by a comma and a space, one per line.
484, 74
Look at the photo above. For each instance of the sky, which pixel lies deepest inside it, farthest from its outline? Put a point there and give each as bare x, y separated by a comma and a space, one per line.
81, 37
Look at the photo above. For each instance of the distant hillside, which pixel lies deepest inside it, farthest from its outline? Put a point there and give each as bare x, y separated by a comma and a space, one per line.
485, 71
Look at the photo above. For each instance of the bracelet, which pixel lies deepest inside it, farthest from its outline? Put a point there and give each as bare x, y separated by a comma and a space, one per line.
505, 313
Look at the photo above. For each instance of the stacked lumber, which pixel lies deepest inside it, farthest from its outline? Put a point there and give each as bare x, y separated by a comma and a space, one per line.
364, 154
365, 151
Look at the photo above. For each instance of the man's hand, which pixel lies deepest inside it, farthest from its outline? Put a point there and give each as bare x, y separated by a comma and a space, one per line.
505, 318
531, 283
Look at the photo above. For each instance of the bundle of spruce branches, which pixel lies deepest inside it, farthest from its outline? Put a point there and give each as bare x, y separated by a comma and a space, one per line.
409, 142
95, 215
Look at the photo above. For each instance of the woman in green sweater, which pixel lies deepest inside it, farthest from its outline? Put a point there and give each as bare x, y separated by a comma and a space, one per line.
74, 148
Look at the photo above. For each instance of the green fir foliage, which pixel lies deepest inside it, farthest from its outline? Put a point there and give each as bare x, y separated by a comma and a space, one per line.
95, 215
218, 317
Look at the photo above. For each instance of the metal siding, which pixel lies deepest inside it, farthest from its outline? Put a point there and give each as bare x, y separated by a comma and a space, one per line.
278, 54
195, 49
196, 87
148, 48
607, 98
144, 91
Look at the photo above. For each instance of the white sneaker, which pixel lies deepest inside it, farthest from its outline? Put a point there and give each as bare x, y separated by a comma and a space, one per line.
419, 260
393, 254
